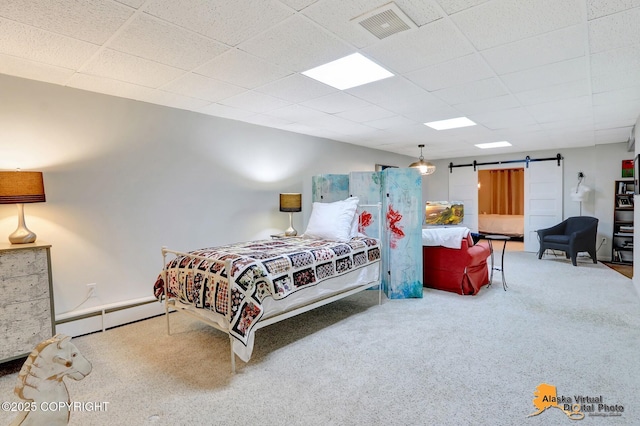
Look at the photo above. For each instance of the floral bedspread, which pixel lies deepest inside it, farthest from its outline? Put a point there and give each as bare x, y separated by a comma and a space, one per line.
259, 269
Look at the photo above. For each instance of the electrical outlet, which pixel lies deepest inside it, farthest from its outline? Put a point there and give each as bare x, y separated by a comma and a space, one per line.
604, 241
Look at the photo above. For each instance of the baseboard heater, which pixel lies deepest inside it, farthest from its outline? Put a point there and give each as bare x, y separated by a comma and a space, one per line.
102, 310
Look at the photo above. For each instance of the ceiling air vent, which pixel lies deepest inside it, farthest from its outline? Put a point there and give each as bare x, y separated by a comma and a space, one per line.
385, 21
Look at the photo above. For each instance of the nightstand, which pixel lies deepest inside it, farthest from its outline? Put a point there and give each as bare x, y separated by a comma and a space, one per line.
26, 307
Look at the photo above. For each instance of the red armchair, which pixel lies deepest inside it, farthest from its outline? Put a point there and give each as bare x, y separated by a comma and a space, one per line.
462, 271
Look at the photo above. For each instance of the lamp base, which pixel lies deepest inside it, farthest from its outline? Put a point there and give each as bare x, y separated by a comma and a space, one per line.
22, 235
290, 232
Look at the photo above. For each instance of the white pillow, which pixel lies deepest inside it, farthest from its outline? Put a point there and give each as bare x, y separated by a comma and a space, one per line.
333, 221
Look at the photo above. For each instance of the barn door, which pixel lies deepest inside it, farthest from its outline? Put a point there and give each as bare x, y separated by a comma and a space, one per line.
542, 199
463, 186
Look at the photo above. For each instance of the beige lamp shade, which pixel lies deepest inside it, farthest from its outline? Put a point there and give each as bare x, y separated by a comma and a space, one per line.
290, 202
21, 187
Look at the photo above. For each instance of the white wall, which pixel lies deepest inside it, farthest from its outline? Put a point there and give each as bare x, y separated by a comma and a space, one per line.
124, 178
601, 165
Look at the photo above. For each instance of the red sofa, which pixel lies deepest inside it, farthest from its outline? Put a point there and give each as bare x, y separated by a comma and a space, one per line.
462, 271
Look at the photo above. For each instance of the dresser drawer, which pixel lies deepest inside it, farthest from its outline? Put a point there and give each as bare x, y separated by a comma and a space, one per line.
26, 305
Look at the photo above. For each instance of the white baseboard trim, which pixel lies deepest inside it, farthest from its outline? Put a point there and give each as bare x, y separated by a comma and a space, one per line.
103, 317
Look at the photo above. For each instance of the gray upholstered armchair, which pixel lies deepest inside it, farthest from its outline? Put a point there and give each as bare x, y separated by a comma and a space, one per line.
573, 235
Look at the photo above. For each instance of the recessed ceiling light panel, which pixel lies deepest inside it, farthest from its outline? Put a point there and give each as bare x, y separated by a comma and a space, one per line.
350, 71
452, 123
493, 144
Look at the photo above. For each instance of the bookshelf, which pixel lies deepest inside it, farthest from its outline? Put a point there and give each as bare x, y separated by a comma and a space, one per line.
622, 242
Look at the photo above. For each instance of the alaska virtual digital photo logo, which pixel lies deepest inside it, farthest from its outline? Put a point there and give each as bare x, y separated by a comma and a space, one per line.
546, 396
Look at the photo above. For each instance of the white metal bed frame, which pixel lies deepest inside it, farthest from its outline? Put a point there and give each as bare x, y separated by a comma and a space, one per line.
170, 303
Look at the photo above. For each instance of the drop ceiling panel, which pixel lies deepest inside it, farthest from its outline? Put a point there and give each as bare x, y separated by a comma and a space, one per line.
600, 8
434, 114
37, 45
254, 101
562, 110
226, 111
411, 50
336, 102
580, 123
24, 68
296, 88
242, 69
364, 114
398, 95
556, 46
268, 121
452, 73
619, 111
108, 86
298, 45
623, 60
90, 20
620, 134
228, 21
162, 97
547, 75
614, 31
201, 87
614, 81
131, 69
455, 6
491, 104
390, 122
472, 91
132, 3
297, 113
572, 89
151, 38
621, 95
505, 119
504, 21
313, 131
298, 4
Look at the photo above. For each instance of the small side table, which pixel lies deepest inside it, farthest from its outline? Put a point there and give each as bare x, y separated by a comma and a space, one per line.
491, 239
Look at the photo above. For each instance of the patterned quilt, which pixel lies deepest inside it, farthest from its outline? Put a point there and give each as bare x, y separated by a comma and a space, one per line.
260, 269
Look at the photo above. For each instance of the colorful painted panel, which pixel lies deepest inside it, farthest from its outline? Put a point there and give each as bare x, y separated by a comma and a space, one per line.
329, 188
443, 212
366, 186
402, 239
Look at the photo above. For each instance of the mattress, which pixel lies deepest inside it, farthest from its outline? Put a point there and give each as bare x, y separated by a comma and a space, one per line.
502, 224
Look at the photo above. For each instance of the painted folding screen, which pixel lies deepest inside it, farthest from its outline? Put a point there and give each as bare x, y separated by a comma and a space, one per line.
400, 192
329, 188
366, 186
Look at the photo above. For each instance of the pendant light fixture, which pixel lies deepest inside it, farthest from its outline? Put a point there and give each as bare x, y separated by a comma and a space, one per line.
425, 167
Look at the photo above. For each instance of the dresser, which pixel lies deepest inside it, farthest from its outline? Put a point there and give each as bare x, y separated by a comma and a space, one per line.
26, 298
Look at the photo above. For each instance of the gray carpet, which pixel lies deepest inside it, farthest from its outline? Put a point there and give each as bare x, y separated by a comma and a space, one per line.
440, 360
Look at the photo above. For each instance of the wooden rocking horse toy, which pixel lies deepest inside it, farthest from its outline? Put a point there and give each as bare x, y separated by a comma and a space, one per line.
40, 381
